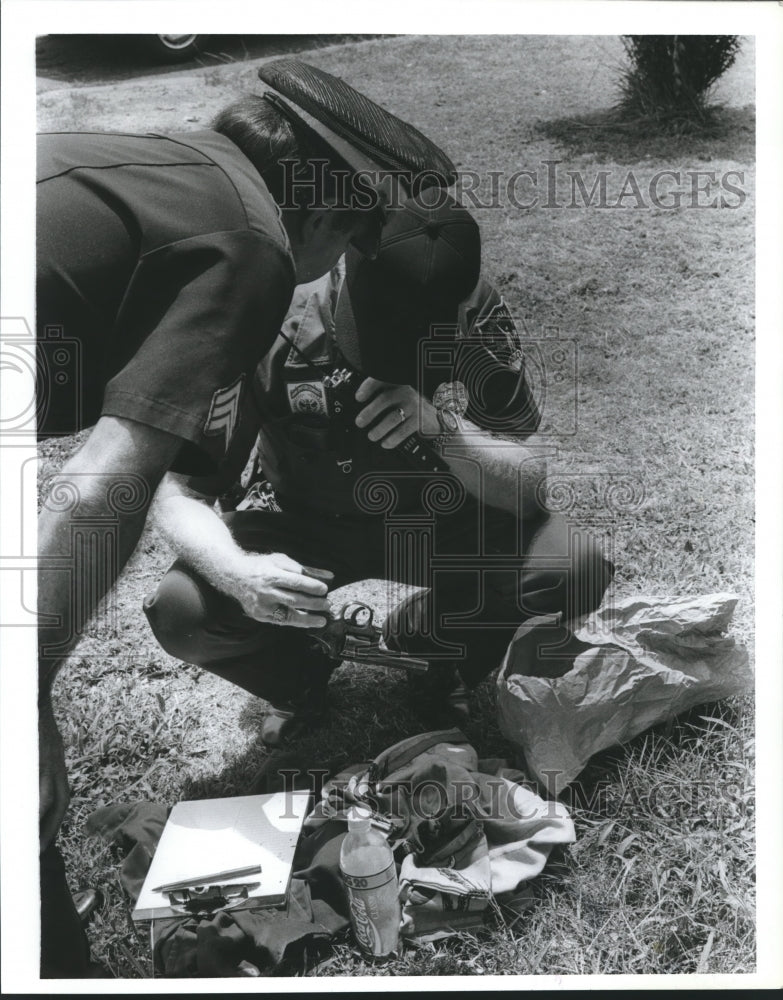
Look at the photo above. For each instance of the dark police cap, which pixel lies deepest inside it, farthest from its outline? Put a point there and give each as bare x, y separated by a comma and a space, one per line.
363, 134
428, 263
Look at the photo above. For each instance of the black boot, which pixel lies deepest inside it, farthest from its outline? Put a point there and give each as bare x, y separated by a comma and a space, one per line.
86, 903
282, 723
440, 696
457, 705
288, 719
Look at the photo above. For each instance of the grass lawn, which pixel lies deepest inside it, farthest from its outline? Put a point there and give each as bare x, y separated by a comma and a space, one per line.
659, 303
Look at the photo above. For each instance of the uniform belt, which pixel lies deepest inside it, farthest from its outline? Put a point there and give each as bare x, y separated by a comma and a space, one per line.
292, 505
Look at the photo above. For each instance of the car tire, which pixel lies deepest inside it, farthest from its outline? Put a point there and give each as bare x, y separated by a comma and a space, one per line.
173, 48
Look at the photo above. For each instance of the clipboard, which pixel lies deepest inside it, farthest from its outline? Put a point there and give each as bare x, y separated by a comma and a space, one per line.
211, 835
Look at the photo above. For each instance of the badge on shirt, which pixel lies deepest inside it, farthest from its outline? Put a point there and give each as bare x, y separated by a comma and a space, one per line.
223, 413
307, 397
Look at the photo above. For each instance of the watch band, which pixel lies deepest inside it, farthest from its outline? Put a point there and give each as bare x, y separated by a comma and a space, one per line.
450, 400
449, 426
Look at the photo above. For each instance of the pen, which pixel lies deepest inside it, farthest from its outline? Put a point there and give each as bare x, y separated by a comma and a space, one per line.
203, 879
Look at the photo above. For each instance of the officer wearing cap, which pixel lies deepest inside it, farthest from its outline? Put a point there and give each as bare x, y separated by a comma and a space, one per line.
439, 367
166, 265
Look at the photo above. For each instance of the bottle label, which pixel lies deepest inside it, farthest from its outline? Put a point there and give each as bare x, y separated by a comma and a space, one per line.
375, 911
367, 936
370, 881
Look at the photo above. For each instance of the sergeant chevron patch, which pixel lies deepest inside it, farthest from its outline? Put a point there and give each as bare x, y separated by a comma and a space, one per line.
224, 411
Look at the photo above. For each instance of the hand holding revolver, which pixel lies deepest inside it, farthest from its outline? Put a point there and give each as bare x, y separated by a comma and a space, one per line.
353, 635
272, 587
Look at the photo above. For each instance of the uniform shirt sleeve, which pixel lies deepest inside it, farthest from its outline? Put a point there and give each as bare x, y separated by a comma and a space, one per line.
490, 362
222, 477
197, 317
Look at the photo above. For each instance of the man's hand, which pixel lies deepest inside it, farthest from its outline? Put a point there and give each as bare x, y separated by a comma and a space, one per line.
274, 588
54, 793
405, 412
270, 587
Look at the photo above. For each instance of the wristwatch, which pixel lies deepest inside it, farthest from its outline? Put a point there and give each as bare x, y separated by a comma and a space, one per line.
450, 400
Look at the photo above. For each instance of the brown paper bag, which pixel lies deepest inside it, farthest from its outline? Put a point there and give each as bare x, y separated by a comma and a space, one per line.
565, 694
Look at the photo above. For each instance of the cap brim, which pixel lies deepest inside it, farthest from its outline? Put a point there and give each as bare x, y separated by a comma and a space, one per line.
379, 178
372, 353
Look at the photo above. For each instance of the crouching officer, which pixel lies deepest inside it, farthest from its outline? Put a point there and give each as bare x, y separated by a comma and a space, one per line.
380, 407
166, 265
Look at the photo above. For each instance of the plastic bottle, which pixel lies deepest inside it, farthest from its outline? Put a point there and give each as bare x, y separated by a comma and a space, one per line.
368, 870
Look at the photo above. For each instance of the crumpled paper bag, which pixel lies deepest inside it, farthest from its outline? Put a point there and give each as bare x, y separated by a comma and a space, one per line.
564, 695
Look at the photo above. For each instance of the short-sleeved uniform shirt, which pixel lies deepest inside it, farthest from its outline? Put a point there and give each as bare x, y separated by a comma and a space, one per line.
313, 460
164, 274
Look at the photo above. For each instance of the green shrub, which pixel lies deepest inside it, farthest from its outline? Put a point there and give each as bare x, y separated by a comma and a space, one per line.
670, 76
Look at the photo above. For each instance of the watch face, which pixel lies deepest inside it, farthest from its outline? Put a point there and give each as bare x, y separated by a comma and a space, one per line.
449, 421
451, 398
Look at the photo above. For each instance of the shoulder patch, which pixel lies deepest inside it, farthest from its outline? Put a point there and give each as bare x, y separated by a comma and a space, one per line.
498, 332
307, 397
223, 413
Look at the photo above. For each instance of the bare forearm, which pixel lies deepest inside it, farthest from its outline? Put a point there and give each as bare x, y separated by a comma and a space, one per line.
260, 582
200, 538
500, 473
90, 522
82, 545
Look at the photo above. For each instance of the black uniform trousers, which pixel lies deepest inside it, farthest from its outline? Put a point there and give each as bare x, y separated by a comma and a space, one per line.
484, 572
65, 953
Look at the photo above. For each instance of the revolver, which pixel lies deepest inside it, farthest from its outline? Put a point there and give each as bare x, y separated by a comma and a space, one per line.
353, 635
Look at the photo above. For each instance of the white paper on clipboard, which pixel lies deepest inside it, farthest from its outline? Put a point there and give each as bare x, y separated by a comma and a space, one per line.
212, 835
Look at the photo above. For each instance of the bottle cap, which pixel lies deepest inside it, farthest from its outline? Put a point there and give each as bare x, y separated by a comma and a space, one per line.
359, 818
